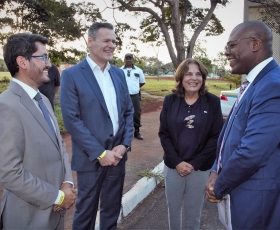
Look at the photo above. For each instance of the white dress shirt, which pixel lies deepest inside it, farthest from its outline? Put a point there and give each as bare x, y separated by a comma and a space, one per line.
254, 72
108, 90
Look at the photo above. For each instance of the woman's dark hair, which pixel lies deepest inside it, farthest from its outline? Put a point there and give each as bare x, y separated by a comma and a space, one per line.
182, 69
21, 44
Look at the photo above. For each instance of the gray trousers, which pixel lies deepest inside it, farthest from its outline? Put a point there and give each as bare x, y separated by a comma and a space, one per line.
188, 192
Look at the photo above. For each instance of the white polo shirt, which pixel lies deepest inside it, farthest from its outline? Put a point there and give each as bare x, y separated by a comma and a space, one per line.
134, 77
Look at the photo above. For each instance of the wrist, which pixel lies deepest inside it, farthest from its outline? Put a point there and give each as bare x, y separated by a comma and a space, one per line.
61, 199
127, 148
102, 155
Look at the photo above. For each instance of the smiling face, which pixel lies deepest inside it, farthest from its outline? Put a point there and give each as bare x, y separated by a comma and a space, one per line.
192, 80
37, 68
101, 48
245, 47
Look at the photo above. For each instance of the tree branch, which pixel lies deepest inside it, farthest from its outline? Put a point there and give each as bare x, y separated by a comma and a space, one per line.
200, 28
160, 22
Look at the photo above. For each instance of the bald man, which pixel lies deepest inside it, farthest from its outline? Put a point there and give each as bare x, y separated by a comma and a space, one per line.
248, 155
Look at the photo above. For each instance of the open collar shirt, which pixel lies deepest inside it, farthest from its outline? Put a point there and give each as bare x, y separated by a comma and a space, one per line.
108, 90
254, 72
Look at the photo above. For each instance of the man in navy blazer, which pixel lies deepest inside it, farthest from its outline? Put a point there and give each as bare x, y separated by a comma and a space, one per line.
98, 113
249, 144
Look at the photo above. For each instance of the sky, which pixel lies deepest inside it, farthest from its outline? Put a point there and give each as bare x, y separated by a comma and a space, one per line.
230, 16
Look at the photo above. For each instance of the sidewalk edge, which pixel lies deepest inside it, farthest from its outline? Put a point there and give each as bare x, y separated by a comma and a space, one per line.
136, 194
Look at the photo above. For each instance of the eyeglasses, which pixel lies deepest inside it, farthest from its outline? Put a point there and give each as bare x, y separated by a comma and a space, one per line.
230, 44
189, 121
128, 73
44, 57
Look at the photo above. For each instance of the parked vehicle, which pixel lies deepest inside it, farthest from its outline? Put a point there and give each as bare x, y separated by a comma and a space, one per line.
228, 99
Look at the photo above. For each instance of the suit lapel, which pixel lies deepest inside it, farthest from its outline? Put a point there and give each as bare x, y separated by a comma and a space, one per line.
31, 107
88, 74
117, 88
261, 74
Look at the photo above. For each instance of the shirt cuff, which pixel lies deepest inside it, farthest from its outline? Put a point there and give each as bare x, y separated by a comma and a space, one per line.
70, 182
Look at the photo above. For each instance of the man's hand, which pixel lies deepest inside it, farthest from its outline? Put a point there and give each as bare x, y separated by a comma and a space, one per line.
121, 149
62, 187
69, 198
210, 187
110, 158
184, 168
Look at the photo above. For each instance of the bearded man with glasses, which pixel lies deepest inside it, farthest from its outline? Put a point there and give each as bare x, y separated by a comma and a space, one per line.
34, 165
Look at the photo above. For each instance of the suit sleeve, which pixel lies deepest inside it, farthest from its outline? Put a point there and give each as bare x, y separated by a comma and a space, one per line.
260, 138
69, 102
13, 176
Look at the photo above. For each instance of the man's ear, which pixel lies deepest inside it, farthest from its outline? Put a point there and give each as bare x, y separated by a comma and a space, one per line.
89, 44
22, 62
257, 44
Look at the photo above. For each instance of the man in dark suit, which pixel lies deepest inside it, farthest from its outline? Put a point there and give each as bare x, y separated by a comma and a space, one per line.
34, 166
248, 159
98, 113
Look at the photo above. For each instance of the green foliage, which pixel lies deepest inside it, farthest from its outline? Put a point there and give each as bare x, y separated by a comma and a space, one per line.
200, 53
150, 65
234, 78
168, 21
270, 14
53, 19
3, 87
58, 114
149, 174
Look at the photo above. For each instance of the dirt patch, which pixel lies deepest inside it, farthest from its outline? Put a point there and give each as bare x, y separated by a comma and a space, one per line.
149, 104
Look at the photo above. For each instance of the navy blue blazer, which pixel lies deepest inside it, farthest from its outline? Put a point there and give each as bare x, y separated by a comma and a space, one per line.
86, 116
212, 122
251, 154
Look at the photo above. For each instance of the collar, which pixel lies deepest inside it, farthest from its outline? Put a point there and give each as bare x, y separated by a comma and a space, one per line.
127, 67
29, 90
257, 69
93, 65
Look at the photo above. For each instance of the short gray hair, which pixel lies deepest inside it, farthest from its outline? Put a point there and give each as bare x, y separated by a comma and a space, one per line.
93, 30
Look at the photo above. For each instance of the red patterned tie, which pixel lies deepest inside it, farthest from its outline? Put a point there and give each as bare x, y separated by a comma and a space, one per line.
242, 89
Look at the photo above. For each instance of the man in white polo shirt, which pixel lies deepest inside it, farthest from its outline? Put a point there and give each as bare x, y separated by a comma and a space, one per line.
135, 80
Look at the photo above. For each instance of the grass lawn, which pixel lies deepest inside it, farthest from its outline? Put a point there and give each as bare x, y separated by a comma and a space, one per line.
163, 87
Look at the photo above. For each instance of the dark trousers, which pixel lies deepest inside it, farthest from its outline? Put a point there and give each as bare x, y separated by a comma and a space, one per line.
105, 184
136, 99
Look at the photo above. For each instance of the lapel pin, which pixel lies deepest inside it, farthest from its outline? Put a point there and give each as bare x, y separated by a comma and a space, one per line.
205, 111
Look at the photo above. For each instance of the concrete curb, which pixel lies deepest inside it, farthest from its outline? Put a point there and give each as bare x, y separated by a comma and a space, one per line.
136, 194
